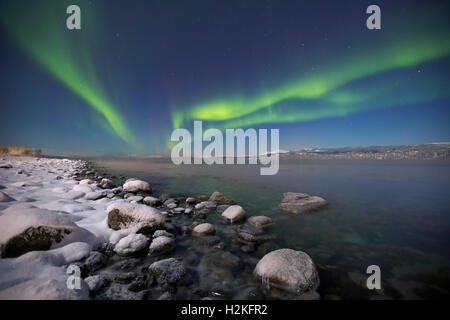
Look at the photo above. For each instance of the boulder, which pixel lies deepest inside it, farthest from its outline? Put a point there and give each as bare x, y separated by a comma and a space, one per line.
159, 233
162, 244
260, 221
95, 261
95, 283
30, 229
191, 200
297, 203
142, 218
204, 229
136, 186
289, 270
131, 245
107, 183
203, 209
234, 213
152, 201
168, 271
219, 198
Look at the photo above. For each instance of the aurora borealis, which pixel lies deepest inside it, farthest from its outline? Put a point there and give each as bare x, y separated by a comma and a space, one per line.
136, 71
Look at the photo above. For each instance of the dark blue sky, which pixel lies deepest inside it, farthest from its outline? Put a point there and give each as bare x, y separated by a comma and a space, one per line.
154, 61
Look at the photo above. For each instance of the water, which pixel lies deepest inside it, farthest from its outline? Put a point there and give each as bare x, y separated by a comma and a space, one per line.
394, 214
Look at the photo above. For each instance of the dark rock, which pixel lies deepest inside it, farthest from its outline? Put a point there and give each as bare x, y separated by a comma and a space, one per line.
95, 261
169, 271
125, 277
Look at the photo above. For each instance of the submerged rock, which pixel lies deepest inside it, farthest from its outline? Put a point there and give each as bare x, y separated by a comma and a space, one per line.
219, 198
289, 270
221, 208
234, 213
297, 203
221, 259
168, 271
260, 221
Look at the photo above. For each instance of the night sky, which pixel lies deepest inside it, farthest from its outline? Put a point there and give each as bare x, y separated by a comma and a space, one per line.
139, 69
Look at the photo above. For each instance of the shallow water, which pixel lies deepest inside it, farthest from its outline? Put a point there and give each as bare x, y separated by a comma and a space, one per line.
394, 214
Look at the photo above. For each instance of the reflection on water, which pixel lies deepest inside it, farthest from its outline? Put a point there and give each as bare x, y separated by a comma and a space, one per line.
394, 214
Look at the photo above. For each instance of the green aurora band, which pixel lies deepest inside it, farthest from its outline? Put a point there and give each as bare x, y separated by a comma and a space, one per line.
321, 90
40, 29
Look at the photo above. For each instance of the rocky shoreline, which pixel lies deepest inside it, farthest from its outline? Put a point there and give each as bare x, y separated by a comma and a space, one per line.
128, 243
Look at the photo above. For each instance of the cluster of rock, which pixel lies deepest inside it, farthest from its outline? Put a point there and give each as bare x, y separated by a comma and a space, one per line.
144, 228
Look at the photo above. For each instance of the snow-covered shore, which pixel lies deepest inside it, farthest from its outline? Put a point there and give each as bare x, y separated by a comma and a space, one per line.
47, 190
59, 217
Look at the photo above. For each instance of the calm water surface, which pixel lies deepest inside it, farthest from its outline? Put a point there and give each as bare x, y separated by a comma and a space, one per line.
394, 214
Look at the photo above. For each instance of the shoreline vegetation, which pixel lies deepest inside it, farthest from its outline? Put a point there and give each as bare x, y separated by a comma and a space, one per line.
20, 151
129, 243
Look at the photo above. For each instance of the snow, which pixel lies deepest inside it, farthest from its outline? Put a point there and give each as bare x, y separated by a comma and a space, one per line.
72, 252
50, 196
136, 185
131, 244
139, 212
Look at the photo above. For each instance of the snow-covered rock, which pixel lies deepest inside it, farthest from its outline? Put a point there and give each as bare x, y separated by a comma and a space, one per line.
289, 270
159, 233
136, 185
83, 188
131, 245
107, 183
151, 201
95, 195
123, 215
135, 198
24, 230
234, 213
72, 252
162, 244
86, 181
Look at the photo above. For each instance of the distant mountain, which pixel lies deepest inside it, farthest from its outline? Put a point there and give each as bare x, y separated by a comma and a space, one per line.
439, 150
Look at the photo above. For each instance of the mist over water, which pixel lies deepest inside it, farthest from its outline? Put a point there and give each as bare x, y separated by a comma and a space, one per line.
389, 213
